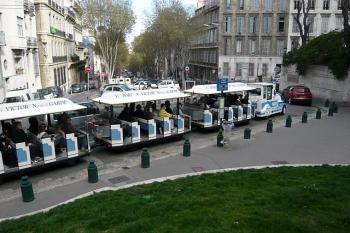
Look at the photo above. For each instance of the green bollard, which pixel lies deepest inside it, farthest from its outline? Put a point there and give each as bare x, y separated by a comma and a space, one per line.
289, 121
318, 114
247, 133
326, 104
220, 139
330, 111
92, 172
26, 189
335, 108
269, 126
187, 148
145, 158
304, 118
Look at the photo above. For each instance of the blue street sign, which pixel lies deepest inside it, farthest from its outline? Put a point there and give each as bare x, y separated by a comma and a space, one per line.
222, 84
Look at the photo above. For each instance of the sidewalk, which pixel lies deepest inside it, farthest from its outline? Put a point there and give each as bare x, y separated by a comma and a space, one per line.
323, 141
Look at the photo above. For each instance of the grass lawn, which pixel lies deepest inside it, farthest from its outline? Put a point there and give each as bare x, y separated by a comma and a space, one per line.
270, 200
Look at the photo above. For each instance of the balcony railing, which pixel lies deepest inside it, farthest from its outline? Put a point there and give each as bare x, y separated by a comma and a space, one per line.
56, 59
2, 38
78, 27
57, 32
32, 42
70, 36
70, 12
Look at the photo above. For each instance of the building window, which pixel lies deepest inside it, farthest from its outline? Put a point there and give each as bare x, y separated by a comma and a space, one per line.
281, 24
268, 5
55, 76
311, 20
265, 48
264, 69
252, 24
254, 5
267, 24
325, 4
280, 48
251, 69
20, 26
295, 28
227, 23
339, 4
36, 63
228, 4
226, 69
64, 75
19, 61
283, 5
238, 69
339, 23
0, 21
240, 24
241, 4
227, 42
238, 46
311, 4
297, 4
295, 43
252, 46
324, 24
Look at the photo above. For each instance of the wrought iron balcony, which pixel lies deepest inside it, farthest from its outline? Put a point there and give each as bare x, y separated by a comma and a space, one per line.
32, 42
56, 59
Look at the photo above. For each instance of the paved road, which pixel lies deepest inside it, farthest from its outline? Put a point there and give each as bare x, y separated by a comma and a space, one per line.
109, 161
318, 142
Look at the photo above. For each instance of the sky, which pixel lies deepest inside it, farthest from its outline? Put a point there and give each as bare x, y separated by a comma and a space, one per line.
143, 7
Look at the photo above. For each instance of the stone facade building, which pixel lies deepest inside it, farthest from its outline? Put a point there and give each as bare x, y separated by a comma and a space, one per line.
19, 63
243, 39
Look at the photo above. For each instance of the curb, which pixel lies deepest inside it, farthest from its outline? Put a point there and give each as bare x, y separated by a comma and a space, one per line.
162, 179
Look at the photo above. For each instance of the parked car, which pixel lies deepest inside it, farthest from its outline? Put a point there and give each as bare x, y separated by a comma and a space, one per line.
297, 94
168, 84
154, 83
18, 96
140, 85
77, 88
114, 87
51, 92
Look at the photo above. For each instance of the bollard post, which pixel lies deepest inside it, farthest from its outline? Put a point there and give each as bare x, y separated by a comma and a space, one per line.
220, 139
335, 108
26, 189
318, 114
326, 104
304, 118
289, 121
269, 126
187, 148
145, 158
330, 111
247, 133
92, 172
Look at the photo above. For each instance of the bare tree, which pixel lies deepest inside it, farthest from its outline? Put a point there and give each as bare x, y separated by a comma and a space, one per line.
302, 19
345, 7
110, 21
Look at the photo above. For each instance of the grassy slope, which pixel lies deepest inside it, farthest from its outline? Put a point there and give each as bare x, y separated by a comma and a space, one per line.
270, 200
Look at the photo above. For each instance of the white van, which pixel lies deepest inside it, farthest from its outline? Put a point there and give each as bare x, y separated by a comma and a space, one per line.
23, 95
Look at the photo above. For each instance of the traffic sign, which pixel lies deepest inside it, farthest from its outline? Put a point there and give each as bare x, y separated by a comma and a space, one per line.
222, 84
88, 69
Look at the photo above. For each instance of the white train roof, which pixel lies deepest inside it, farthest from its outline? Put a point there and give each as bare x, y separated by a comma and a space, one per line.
36, 108
211, 88
134, 96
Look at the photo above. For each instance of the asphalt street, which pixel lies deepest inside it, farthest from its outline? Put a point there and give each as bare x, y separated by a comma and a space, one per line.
110, 160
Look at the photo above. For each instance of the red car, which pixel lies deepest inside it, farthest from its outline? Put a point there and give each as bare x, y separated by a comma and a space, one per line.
297, 94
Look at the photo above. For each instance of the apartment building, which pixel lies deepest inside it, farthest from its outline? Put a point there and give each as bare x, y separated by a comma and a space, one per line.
19, 63
60, 42
324, 16
242, 39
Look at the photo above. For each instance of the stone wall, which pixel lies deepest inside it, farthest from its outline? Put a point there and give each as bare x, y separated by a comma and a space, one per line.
322, 83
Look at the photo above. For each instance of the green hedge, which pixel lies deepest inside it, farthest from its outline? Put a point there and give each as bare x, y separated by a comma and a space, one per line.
328, 50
